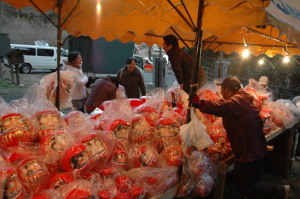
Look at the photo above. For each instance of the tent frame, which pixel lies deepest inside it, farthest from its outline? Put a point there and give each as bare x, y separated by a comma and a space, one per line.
59, 44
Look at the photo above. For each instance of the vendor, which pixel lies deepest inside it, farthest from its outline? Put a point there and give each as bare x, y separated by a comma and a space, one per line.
244, 128
79, 94
263, 81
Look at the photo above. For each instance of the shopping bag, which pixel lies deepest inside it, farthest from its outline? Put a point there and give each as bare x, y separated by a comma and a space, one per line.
194, 133
49, 84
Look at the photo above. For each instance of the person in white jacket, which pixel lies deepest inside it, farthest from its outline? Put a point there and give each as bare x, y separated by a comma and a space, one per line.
79, 94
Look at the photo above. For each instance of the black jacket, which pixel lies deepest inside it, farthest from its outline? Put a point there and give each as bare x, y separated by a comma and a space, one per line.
132, 82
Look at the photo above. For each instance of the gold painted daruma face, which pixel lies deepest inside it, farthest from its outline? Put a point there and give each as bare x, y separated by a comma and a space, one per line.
13, 188
13, 122
78, 161
14, 128
167, 131
48, 120
147, 158
33, 173
140, 127
122, 131
95, 148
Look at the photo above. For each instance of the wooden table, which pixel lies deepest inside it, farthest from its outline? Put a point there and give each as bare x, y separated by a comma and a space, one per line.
279, 161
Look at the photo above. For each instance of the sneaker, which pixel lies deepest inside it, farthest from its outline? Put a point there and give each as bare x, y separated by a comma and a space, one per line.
287, 191
297, 157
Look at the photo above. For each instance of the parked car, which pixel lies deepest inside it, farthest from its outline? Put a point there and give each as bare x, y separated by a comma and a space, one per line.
38, 57
139, 61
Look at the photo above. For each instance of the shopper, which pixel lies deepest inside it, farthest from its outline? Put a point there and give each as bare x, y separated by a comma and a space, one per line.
102, 90
264, 80
182, 64
131, 78
79, 94
244, 128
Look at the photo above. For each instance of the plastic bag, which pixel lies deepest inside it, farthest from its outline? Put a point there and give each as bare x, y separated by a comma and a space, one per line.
155, 181
194, 134
198, 175
296, 101
292, 107
49, 84
281, 116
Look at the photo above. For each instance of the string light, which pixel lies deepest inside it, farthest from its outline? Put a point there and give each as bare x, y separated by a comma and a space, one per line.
245, 53
286, 59
263, 60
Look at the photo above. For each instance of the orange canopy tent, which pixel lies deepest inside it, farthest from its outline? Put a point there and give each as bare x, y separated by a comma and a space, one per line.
227, 24
263, 26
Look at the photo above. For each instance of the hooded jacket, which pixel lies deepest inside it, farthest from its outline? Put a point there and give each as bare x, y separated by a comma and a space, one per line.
79, 91
242, 123
132, 82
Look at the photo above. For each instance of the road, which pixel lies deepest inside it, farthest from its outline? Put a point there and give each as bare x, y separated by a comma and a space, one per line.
10, 91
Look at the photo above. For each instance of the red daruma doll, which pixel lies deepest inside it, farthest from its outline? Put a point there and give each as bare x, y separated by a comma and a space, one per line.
120, 129
173, 155
14, 127
147, 111
13, 188
167, 128
60, 179
141, 129
119, 158
145, 156
75, 158
49, 120
55, 143
96, 148
33, 173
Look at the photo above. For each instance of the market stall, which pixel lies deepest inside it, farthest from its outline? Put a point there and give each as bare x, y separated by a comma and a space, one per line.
132, 147
104, 21
279, 159
260, 26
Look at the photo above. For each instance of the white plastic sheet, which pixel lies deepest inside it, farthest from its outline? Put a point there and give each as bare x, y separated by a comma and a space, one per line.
194, 134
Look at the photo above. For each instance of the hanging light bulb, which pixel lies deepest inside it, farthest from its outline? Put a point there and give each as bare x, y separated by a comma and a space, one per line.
286, 59
98, 7
261, 62
245, 53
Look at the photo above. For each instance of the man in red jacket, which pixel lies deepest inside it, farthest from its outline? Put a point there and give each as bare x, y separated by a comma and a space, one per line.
244, 128
102, 90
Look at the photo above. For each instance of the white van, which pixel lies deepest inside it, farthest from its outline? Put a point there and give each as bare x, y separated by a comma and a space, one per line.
39, 57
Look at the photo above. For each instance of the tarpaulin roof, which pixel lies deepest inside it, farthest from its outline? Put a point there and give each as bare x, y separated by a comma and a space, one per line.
265, 26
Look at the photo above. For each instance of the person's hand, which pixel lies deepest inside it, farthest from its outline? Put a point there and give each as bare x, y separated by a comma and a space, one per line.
194, 100
181, 86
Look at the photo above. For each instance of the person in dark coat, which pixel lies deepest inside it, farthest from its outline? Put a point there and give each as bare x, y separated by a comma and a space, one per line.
182, 64
244, 127
131, 78
102, 90
263, 81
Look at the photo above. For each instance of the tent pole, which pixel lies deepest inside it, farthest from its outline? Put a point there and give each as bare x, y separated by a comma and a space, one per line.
59, 35
197, 48
197, 54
